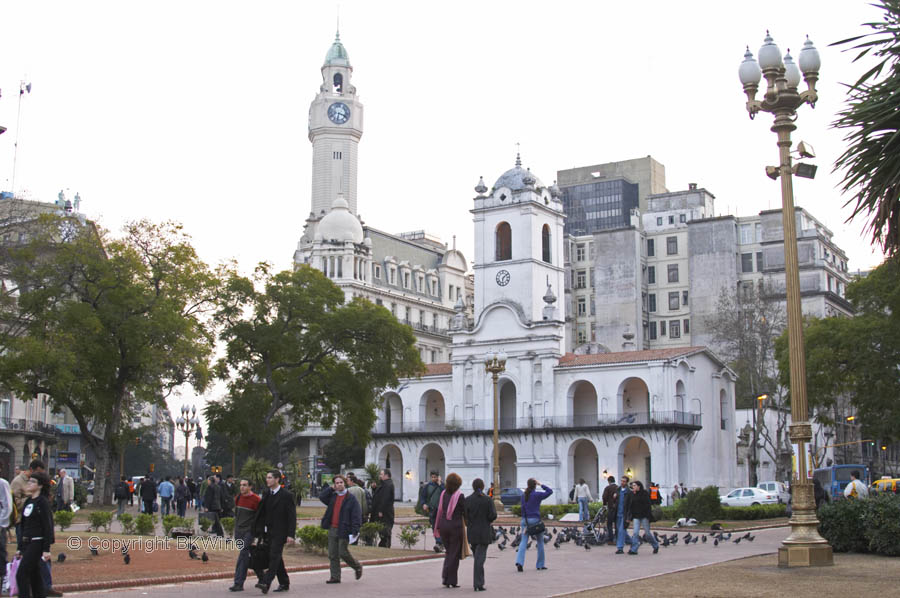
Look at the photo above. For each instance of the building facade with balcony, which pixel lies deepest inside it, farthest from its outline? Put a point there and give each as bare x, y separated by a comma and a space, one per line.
665, 415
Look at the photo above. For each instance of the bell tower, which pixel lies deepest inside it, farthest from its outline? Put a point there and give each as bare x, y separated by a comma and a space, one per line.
335, 128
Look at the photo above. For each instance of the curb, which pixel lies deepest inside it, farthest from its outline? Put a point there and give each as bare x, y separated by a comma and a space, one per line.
153, 581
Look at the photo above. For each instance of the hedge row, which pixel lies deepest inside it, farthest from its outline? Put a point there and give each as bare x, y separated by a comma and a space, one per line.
871, 525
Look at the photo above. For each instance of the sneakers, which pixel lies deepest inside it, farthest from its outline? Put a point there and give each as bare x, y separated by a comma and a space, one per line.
620, 551
519, 568
655, 550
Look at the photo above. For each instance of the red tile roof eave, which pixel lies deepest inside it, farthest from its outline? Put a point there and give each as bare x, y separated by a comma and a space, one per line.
570, 360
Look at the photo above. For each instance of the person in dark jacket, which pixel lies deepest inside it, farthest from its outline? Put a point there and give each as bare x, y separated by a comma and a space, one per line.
448, 525
383, 507
480, 512
121, 494
148, 494
342, 519
640, 514
609, 501
821, 497
245, 508
212, 502
276, 521
428, 501
182, 496
37, 536
623, 513
531, 515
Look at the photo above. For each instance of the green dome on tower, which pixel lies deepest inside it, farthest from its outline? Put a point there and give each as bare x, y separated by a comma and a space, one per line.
337, 54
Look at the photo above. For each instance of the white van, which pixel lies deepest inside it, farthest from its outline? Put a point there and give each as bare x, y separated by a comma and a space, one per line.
778, 489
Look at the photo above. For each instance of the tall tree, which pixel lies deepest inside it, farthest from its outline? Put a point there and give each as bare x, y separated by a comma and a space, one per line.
745, 328
111, 324
871, 162
295, 350
858, 357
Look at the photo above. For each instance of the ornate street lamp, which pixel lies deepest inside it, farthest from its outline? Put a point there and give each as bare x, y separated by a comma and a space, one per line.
495, 364
187, 423
804, 546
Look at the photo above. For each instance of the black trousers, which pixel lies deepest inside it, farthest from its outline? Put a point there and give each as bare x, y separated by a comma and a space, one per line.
452, 539
28, 576
386, 534
610, 527
276, 564
479, 551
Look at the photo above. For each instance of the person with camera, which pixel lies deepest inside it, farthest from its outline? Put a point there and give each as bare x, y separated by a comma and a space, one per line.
532, 526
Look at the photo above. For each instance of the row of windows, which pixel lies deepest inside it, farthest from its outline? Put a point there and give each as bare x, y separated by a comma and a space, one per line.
580, 278
671, 273
674, 298
681, 218
673, 327
408, 315
747, 262
503, 242
581, 304
671, 246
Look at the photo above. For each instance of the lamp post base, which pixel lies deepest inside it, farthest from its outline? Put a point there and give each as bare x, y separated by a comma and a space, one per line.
498, 505
805, 555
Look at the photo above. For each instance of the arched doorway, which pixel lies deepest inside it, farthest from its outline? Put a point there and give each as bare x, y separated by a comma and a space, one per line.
634, 400
392, 413
391, 458
507, 404
431, 459
509, 473
584, 463
431, 411
634, 457
583, 404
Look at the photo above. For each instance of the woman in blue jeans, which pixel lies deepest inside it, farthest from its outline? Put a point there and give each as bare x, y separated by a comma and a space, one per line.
531, 515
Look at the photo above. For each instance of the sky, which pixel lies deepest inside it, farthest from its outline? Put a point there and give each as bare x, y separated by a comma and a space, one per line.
197, 111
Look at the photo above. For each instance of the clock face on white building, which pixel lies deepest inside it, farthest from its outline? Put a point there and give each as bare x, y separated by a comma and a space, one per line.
503, 278
339, 113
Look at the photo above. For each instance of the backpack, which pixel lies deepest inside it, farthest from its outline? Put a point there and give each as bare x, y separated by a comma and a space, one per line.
121, 492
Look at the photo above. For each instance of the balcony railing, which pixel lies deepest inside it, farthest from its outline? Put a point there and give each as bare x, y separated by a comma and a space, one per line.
27, 425
601, 421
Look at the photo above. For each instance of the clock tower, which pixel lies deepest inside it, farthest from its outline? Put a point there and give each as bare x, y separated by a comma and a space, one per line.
335, 128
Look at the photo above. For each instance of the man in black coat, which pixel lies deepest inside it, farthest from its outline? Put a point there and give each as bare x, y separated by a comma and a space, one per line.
480, 512
609, 501
383, 507
212, 502
276, 521
148, 494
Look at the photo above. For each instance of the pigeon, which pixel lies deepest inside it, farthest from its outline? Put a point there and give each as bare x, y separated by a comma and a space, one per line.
665, 541
687, 538
528, 545
674, 539
694, 541
556, 542
716, 542
587, 546
746, 536
704, 539
737, 540
204, 557
95, 552
127, 558
751, 538
193, 554
502, 545
61, 557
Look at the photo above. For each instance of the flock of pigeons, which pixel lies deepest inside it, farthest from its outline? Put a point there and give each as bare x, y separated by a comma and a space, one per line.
588, 537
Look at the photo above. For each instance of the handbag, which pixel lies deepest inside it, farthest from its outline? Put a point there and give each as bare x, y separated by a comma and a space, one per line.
466, 551
536, 529
11, 574
259, 556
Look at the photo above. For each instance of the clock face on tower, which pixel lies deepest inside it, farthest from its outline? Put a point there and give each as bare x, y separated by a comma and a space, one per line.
503, 278
339, 113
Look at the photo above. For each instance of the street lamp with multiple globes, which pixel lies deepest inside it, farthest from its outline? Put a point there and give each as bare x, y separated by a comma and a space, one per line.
187, 423
495, 364
804, 546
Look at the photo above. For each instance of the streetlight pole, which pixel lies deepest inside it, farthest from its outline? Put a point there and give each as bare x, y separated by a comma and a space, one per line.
495, 364
187, 423
804, 546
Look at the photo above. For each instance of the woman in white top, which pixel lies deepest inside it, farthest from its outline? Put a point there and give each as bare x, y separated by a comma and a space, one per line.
583, 497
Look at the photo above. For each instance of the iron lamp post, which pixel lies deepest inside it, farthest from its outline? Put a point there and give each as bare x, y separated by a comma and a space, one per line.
495, 364
804, 547
187, 423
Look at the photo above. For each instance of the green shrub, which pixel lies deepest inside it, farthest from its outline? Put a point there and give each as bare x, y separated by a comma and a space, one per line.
409, 537
881, 522
63, 519
127, 521
81, 494
100, 519
254, 471
841, 524
205, 523
170, 521
670, 513
228, 525
656, 513
702, 504
368, 532
757, 512
313, 538
145, 525
187, 522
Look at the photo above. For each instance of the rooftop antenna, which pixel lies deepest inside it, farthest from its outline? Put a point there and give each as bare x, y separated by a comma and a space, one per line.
454, 242
23, 87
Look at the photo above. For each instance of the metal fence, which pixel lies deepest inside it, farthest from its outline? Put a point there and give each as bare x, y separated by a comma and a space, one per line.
27, 425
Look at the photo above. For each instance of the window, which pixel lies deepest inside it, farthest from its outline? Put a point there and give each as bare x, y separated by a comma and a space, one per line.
503, 242
393, 276
433, 356
759, 261
421, 316
593, 303
687, 326
336, 155
408, 318
746, 262
651, 274
545, 243
435, 320
592, 278
671, 245
406, 280
684, 297
746, 234
673, 272
421, 288
579, 252
651, 301
582, 333
378, 301
659, 221
591, 250
652, 331
671, 219
651, 247
580, 279
581, 306
673, 301
376, 271
662, 327
675, 329
682, 218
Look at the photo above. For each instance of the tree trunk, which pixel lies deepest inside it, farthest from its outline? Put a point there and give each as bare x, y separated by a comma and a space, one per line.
103, 475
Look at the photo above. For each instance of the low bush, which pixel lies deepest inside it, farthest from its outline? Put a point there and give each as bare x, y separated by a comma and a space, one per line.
63, 519
702, 504
871, 525
757, 512
228, 525
368, 532
127, 521
671, 513
169, 522
881, 522
145, 525
100, 519
409, 536
313, 538
205, 523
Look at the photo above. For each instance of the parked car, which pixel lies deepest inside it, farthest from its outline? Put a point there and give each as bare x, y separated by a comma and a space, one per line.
778, 489
748, 497
885, 484
510, 496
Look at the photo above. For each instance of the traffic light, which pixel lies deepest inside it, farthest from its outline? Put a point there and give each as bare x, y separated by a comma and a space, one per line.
152, 467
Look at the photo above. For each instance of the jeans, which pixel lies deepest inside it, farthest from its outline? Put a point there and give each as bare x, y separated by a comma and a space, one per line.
120, 502
181, 507
523, 545
636, 533
583, 511
621, 532
337, 550
166, 505
243, 561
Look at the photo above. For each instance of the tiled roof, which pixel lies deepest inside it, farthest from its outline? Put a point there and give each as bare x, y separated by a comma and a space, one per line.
438, 369
572, 360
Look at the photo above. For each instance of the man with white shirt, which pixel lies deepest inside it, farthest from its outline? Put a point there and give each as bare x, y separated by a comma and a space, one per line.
583, 497
276, 521
855, 489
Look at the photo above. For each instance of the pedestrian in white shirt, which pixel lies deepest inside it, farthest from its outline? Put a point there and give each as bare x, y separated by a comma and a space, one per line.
583, 497
855, 489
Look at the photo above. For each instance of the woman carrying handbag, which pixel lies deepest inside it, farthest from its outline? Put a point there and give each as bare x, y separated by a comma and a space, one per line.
532, 526
450, 527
